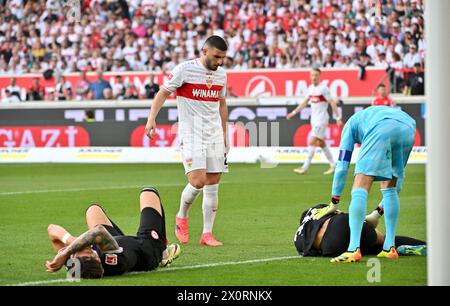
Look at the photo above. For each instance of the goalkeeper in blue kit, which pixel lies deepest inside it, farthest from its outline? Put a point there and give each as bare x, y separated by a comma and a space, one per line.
386, 136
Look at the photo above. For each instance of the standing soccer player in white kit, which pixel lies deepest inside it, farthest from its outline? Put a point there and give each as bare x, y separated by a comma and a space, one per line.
319, 97
200, 86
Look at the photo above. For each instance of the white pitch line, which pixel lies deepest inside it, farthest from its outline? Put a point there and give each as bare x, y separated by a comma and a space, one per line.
210, 265
44, 282
85, 189
8, 193
221, 264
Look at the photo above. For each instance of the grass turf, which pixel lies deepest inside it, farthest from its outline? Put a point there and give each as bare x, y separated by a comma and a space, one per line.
257, 218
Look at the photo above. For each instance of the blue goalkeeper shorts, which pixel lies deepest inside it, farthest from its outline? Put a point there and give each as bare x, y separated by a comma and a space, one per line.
385, 150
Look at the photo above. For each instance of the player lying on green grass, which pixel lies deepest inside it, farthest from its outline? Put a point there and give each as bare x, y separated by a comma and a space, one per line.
105, 250
330, 236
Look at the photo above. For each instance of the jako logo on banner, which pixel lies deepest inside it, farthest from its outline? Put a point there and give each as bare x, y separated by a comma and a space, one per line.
260, 86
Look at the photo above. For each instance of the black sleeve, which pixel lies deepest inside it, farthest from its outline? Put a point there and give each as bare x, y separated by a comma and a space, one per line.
113, 264
305, 236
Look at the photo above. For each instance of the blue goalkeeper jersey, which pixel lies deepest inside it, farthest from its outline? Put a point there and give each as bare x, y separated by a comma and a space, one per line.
375, 128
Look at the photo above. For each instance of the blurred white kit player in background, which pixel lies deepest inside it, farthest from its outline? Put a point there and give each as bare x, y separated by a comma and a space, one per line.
318, 97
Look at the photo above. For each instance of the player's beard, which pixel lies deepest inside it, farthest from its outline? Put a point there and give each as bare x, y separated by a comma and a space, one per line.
209, 65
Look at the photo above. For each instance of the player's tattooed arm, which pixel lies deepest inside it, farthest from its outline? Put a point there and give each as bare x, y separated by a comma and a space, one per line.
105, 240
98, 235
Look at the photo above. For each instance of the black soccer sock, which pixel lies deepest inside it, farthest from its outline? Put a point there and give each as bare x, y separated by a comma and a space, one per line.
402, 240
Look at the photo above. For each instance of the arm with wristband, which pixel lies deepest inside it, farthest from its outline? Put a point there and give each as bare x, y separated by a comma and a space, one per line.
298, 109
345, 155
59, 237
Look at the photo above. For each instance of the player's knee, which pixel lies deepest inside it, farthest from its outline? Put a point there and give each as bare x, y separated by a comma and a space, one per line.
149, 197
93, 209
50, 228
198, 183
197, 178
150, 200
150, 189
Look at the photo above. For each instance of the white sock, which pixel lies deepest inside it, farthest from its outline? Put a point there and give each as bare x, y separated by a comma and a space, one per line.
210, 205
188, 196
329, 156
311, 152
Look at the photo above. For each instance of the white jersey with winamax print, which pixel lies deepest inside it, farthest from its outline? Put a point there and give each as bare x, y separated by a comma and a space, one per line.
198, 91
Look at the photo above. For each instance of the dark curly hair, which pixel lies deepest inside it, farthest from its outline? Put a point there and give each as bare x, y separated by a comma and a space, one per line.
90, 267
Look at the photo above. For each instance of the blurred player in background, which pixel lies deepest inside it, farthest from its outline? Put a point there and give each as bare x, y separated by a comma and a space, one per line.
318, 97
386, 135
382, 97
105, 250
200, 85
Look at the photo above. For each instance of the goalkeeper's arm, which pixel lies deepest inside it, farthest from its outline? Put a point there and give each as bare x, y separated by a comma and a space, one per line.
340, 174
343, 163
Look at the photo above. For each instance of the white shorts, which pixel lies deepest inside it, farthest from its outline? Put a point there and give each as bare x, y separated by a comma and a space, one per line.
319, 131
211, 157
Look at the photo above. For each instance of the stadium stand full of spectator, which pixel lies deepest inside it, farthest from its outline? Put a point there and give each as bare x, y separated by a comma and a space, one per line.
149, 35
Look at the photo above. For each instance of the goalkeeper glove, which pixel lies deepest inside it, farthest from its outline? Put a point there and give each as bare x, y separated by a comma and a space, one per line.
327, 210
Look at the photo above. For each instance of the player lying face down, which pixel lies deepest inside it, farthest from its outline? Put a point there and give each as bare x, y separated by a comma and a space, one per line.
330, 235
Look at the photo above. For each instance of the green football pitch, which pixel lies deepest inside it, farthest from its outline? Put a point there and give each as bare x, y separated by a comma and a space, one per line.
258, 215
